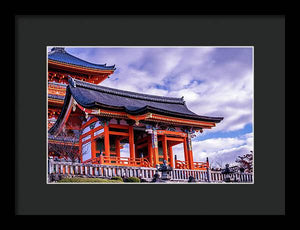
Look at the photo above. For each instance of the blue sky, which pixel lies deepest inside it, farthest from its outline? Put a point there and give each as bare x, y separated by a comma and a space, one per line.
215, 81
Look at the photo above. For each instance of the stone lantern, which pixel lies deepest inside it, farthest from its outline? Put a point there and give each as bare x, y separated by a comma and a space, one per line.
165, 171
226, 172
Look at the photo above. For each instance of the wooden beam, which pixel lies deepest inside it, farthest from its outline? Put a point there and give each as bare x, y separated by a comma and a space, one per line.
119, 133
175, 139
142, 145
168, 119
167, 132
119, 126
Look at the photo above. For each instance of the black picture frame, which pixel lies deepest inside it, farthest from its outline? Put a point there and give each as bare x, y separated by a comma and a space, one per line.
266, 32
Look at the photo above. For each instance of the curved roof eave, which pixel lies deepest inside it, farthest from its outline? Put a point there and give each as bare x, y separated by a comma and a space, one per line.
58, 54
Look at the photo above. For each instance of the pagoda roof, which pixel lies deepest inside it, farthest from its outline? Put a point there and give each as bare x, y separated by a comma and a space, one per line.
91, 96
95, 96
59, 54
57, 97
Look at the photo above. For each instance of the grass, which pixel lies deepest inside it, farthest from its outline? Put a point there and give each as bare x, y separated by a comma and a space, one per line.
87, 180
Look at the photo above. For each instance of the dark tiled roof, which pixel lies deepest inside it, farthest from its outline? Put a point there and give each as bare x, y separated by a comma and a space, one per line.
64, 139
89, 87
95, 96
58, 97
61, 55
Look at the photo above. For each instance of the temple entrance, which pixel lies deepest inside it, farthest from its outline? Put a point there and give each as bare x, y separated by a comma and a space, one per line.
116, 146
171, 143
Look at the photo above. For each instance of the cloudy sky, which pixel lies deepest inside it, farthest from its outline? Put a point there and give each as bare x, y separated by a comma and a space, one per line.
215, 81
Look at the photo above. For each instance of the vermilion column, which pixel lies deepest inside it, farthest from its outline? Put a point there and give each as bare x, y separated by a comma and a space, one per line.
150, 150
131, 143
165, 150
106, 140
117, 143
93, 145
186, 153
171, 156
155, 147
190, 151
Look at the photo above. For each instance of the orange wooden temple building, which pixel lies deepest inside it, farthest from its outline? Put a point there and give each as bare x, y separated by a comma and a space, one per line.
105, 119
62, 64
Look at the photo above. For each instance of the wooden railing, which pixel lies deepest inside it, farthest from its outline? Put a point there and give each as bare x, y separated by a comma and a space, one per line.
185, 165
120, 161
201, 165
181, 164
146, 173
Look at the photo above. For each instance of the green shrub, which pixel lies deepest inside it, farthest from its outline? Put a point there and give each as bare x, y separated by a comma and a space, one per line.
118, 178
87, 180
133, 179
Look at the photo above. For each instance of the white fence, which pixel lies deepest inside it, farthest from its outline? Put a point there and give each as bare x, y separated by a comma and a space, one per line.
108, 171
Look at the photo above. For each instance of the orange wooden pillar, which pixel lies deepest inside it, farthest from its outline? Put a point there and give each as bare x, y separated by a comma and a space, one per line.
165, 149
150, 150
131, 143
117, 143
190, 151
106, 140
155, 148
93, 146
186, 153
171, 156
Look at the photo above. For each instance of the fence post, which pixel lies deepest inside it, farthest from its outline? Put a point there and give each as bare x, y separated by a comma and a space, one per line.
71, 169
50, 165
208, 170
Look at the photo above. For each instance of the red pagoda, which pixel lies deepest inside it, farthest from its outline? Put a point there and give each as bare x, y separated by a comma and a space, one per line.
105, 119
62, 64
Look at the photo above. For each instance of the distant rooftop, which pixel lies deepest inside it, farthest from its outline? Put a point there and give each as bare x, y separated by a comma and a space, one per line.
59, 54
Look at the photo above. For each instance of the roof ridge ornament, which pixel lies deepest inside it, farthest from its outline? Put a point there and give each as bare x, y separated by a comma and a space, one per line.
58, 49
71, 81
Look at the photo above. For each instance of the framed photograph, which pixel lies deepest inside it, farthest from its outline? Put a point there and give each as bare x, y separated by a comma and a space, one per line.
182, 112
102, 129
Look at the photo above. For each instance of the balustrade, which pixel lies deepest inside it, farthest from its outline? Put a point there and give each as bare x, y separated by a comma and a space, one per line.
119, 161
147, 173
185, 165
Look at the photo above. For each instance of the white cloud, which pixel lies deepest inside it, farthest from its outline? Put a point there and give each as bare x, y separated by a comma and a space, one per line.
218, 150
209, 88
